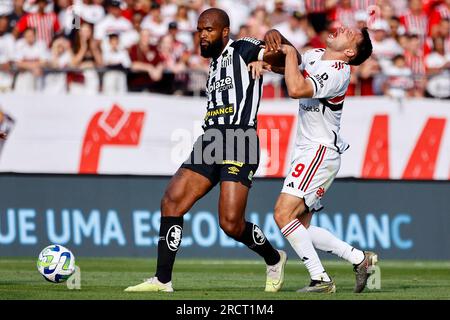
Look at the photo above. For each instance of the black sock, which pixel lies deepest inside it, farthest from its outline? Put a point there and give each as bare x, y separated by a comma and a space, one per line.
254, 238
170, 233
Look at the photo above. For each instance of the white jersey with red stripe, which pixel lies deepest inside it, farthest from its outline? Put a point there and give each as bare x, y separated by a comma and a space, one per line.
316, 158
320, 116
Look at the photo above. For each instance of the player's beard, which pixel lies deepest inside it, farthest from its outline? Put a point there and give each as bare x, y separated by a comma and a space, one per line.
212, 50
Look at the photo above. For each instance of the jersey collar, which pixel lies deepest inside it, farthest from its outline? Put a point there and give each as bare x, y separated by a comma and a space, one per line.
224, 49
332, 59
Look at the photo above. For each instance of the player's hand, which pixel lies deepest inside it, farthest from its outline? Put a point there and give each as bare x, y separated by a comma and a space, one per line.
257, 68
272, 38
287, 49
3, 135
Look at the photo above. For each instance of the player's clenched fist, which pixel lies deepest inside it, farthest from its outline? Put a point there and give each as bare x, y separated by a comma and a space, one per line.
287, 49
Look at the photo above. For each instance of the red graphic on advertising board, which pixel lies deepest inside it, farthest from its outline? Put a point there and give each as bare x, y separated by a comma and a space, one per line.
274, 133
422, 162
376, 160
115, 127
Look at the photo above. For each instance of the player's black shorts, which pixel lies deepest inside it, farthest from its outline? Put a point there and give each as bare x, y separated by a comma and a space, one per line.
226, 154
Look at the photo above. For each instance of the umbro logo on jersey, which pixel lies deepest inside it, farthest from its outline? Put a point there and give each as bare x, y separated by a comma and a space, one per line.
312, 62
290, 185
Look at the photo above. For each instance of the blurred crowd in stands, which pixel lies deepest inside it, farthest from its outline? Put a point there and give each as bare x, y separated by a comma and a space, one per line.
115, 46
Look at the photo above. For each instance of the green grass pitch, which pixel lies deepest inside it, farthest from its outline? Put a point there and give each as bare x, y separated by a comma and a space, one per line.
106, 278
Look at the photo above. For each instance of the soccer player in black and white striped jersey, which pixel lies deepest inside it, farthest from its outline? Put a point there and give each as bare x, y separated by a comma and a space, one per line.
227, 153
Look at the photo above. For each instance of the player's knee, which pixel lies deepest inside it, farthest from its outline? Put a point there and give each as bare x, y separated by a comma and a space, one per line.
232, 228
170, 204
281, 217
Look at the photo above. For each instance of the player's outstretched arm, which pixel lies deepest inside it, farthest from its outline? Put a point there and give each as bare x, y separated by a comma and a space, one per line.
276, 59
257, 68
297, 85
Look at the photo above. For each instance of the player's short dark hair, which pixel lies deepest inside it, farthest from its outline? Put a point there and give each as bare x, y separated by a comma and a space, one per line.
363, 49
221, 15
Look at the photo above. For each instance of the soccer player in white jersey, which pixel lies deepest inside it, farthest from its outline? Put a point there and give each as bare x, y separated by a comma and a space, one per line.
320, 82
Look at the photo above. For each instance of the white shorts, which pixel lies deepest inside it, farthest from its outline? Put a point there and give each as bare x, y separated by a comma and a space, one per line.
313, 169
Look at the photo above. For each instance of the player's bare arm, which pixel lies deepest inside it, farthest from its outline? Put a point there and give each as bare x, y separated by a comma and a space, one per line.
3, 135
274, 58
297, 85
257, 68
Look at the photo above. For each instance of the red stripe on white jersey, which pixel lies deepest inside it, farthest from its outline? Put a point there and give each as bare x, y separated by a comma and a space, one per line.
317, 167
310, 165
305, 74
337, 100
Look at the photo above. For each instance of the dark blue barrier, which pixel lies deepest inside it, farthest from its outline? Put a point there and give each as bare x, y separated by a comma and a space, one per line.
119, 216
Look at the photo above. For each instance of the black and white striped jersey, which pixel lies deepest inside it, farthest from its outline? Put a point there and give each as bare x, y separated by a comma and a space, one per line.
233, 96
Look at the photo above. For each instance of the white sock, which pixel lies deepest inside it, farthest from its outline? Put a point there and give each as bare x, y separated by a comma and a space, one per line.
300, 240
324, 240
